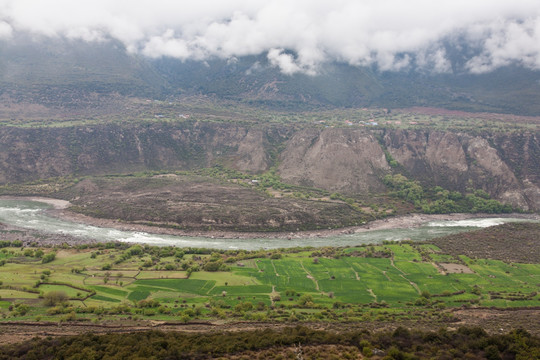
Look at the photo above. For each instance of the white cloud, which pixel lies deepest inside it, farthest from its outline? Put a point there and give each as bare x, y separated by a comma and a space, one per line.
434, 60
5, 30
507, 43
167, 45
287, 63
392, 34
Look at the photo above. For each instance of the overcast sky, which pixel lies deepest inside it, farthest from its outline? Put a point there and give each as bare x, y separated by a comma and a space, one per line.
392, 34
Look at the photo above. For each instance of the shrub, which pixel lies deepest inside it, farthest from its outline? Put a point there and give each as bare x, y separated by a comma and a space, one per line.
54, 298
306, 300
48, 258
70, 316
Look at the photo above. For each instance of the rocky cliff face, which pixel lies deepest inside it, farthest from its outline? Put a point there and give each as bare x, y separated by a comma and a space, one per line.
346, 160
28, 154
349, 161
506, 166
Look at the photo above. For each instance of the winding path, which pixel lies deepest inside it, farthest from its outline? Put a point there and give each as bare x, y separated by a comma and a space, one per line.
309, 276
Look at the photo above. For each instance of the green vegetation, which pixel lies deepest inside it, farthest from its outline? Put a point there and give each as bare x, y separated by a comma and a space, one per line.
289, 343
391, 281
441, 201
202, 109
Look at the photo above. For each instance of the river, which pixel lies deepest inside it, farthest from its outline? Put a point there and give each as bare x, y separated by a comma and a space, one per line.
33, 215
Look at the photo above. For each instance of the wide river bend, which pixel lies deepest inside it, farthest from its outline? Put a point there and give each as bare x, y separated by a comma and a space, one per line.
33, 215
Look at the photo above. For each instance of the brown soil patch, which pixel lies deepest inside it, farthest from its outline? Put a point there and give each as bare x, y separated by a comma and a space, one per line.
512, 242
500, 321
456, 268
198, 203
412, 220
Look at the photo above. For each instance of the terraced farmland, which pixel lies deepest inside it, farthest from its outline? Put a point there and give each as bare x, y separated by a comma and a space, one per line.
395, 279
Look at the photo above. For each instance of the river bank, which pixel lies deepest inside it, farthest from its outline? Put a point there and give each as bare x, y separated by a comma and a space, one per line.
398, 222
56, 224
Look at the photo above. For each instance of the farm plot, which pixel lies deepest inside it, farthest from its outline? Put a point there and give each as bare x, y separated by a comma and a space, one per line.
275, 286
350, 291
443, 258
409, 268
68, 290
285, 274
233, 278
385, 285
113, 281
331, 269
405, 252
500, 276
110, 291
242, 290
105, 299
139, 293
16, 294
198, 287
162, 275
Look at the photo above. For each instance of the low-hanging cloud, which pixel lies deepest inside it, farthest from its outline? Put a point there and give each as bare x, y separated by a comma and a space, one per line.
5, 29
296, 35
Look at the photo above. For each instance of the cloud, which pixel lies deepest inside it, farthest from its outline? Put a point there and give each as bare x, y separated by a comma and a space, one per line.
5, 30
296, 35
434, 60
288, 64
509, 42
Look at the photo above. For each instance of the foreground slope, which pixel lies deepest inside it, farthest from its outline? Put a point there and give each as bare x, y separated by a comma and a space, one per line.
390, 282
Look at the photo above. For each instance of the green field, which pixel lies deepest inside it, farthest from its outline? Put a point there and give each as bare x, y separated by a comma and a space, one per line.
385, 280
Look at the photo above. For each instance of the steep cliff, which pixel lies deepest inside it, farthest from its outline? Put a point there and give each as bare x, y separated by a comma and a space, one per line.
33, 153
504, 165
347, 160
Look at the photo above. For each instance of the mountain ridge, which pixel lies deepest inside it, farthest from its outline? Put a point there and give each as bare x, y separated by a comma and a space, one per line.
45, 71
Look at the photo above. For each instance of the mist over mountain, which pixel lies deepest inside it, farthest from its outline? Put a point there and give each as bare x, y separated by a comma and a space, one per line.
510, 89
481, 56
46, 71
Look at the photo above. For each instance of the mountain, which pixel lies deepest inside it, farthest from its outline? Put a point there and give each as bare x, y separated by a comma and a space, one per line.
61, 72
55, 72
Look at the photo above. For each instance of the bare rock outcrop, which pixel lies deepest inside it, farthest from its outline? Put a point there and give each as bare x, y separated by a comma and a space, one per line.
439, 154
458, 161
345, 160
252, 155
